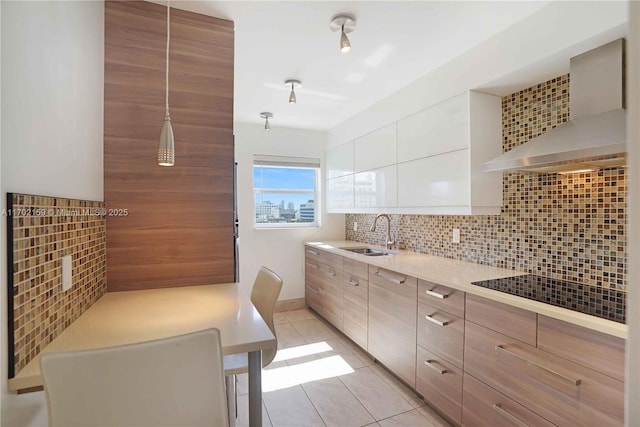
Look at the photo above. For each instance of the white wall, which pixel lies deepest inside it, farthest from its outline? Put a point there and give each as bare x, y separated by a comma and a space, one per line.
527, 53
278, 249
632, 382
52, 79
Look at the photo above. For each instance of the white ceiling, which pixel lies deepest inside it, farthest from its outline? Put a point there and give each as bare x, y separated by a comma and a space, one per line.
394, 43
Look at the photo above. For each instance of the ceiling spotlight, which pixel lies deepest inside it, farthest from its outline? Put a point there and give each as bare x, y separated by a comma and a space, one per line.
346, 24
266, 116
294, 84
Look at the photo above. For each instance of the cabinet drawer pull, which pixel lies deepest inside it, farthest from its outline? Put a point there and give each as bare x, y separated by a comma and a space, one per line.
313, 252
390, 279
436, 321
436, 294
330, 273
432, 365
500, 348
505, 414
352, 283
313, 266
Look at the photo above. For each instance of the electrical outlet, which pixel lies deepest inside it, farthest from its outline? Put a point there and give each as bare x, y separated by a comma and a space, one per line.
456, 235
67, 283
355, 226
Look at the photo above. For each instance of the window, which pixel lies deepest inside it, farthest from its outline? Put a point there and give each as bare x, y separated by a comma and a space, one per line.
286, 191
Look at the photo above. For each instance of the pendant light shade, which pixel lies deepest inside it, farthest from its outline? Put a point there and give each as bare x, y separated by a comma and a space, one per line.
294, 84
345, 24
266, 116
166, 149
345, 44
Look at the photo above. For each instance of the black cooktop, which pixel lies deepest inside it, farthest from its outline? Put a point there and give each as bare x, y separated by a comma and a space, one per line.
605, 303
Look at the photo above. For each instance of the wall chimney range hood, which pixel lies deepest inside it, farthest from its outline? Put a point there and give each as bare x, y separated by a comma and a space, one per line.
595, 135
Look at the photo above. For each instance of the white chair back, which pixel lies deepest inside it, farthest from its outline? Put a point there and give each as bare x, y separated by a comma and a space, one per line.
264, 295
177, 381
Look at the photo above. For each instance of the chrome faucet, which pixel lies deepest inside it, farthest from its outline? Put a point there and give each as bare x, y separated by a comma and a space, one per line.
389, 244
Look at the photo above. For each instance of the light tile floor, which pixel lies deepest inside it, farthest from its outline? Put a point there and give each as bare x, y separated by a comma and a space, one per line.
320, 378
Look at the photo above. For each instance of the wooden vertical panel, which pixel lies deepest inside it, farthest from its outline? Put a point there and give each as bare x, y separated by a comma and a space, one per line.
178, 230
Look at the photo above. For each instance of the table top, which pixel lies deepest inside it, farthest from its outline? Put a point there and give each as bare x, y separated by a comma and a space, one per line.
135, 316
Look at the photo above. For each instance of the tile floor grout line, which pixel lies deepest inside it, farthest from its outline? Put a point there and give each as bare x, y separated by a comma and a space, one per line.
356, 397
406, 412
312, 404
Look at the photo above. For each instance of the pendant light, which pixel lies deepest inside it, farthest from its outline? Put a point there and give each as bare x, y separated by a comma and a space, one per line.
266, 116
294, 84
166, 150
346, 24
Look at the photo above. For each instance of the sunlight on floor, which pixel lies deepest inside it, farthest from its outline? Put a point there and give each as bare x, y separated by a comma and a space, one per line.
289, 376
302, 350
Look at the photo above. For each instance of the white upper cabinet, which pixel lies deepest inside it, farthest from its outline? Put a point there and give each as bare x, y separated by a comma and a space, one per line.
339, 160
340, 193
438, 129
376, 149
376, 188
428, 163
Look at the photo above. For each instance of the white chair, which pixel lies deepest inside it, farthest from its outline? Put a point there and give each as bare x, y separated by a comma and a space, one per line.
177, 381
264, 295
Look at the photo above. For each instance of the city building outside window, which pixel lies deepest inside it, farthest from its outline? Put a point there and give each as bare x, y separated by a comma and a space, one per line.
286, 191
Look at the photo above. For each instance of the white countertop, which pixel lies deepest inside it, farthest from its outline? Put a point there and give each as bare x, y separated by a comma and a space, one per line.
459, 275
136, 316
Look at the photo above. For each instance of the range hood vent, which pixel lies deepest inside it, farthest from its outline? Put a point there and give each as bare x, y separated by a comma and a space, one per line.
595, 135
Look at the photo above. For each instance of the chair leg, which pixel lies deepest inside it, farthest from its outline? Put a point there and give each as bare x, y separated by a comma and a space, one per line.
232, 400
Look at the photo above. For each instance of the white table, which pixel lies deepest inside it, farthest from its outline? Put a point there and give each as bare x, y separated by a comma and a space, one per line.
135, 316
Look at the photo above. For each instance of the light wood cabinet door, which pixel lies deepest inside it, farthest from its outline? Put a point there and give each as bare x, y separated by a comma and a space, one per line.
323, 284
484, 406
440, 383
601, 352
441, 333
356, 304
392, 321
561, 391
511, 321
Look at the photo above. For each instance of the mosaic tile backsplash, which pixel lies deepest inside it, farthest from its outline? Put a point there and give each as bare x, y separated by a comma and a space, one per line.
44, 229
567, 227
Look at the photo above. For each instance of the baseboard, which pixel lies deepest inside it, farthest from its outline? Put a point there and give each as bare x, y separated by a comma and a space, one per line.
290, 304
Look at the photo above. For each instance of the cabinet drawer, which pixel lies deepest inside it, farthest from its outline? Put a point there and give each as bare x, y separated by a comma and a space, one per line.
441, 333
331, 275
356, 269
442, 297
322, 256
561, 391
511, 321
356, 301
601, 352
313, 296
485, 407
440, 383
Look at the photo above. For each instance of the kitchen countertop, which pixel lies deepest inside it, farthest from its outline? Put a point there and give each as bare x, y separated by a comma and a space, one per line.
119, 318
460, 274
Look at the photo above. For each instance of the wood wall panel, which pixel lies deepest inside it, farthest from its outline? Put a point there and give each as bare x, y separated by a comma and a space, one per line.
179, 227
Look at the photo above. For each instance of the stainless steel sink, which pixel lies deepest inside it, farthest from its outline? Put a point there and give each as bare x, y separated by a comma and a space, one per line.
368, 251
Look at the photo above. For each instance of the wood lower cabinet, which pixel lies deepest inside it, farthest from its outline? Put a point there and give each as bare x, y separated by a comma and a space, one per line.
487, 407
356, 301
441, 333
561, 391
392, 321
440, 383
323, 285
511, 321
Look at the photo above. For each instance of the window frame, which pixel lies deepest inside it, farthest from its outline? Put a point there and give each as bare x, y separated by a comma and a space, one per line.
287, 162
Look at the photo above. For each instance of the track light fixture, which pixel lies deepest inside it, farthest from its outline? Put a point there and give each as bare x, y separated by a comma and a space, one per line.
266, 116
294, 84
346, 24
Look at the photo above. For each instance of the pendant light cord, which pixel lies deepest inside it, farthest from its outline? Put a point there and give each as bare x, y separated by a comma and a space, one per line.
167, 65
